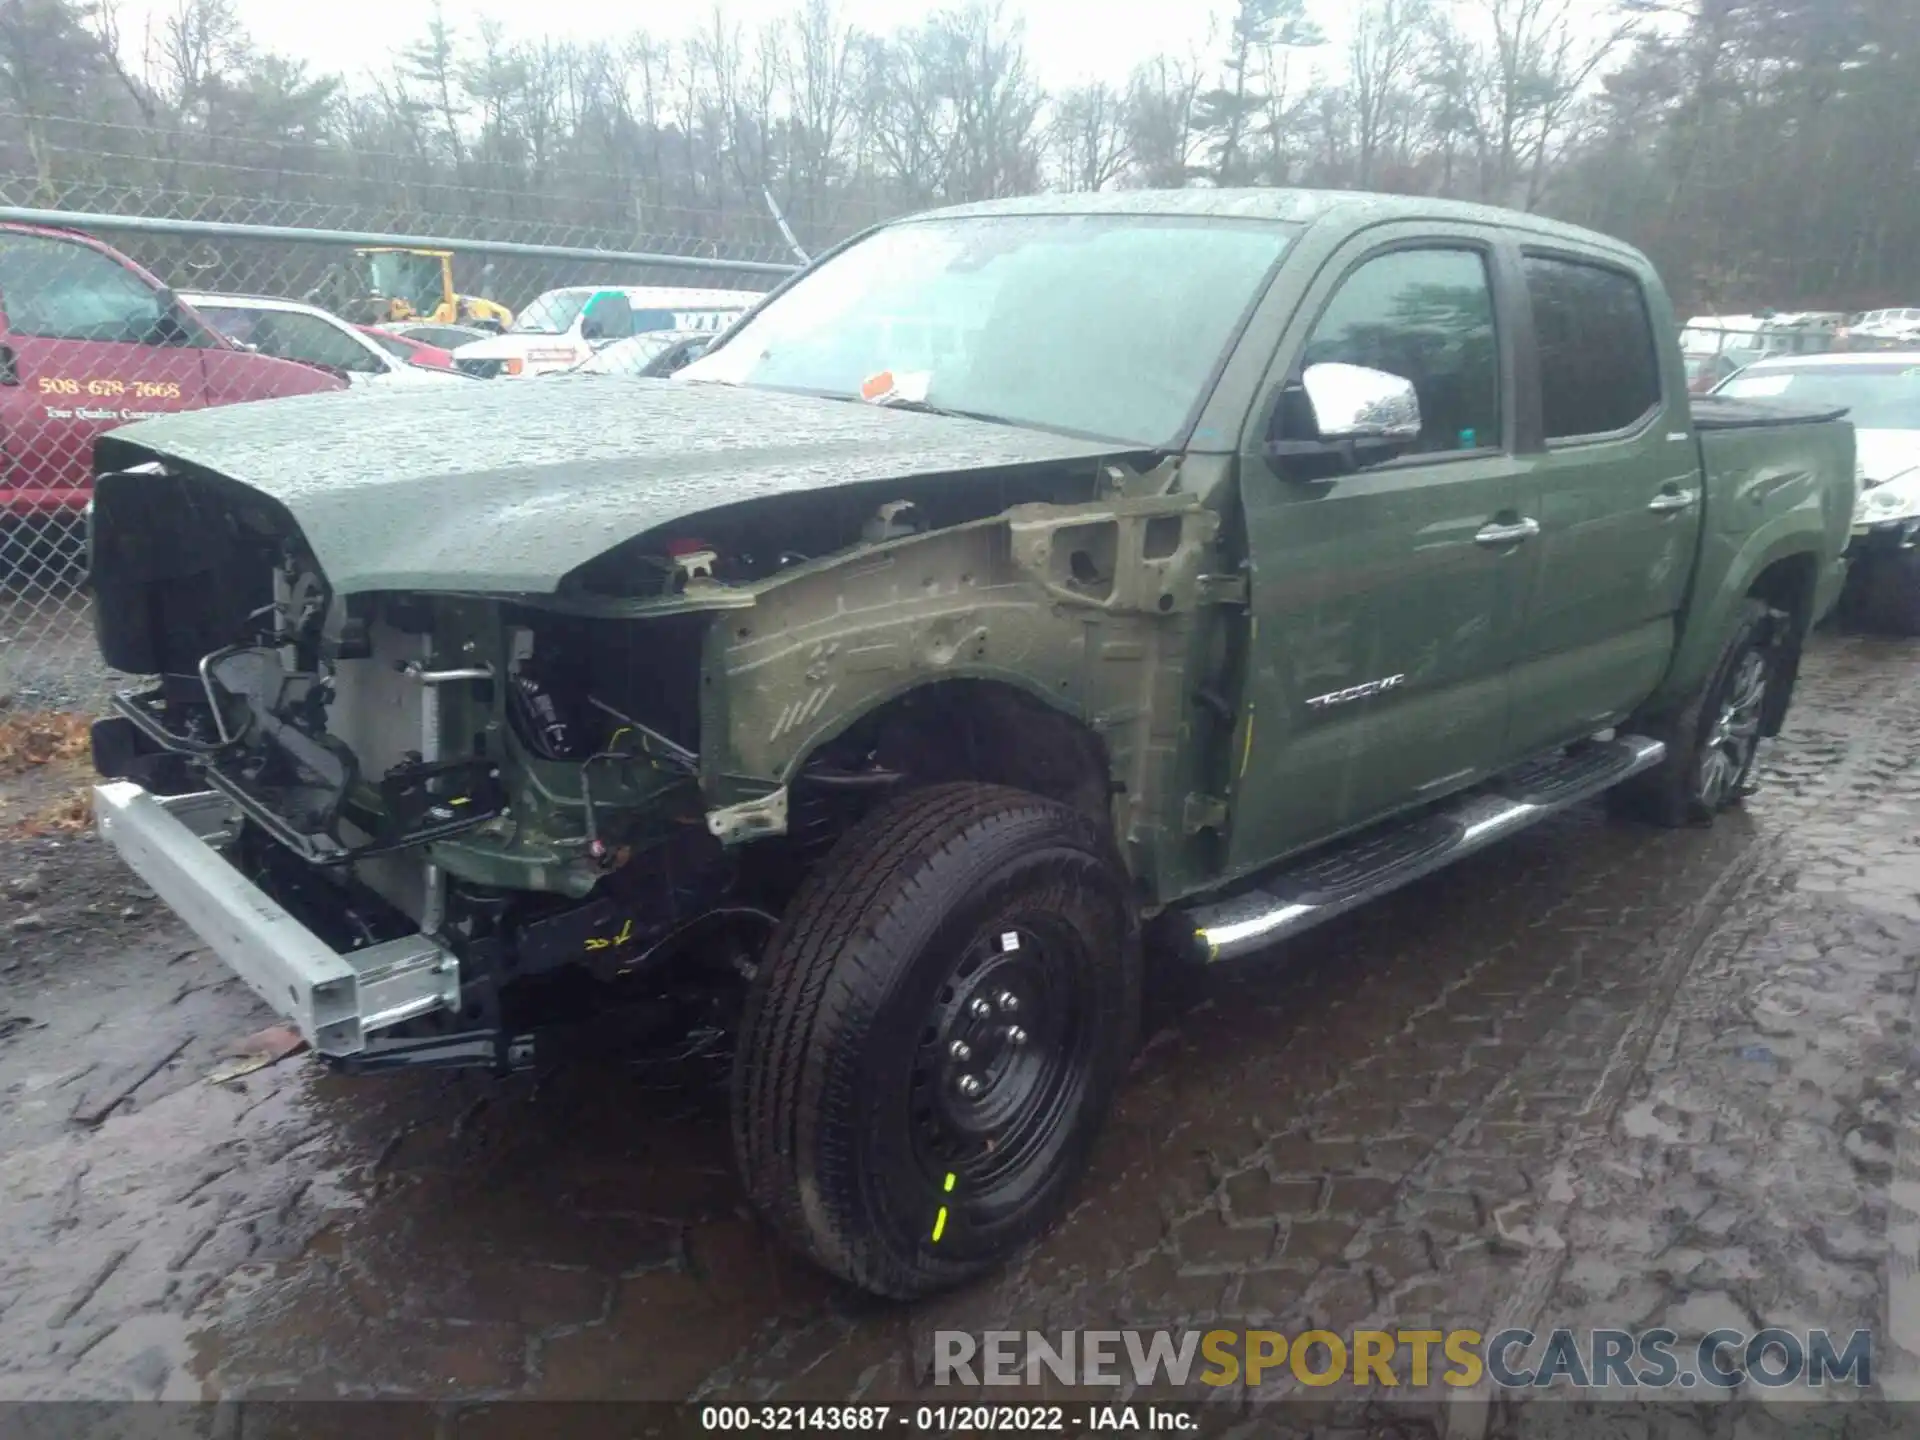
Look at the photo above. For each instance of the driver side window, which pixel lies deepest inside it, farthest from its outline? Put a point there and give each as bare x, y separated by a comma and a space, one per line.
58, 290
1426, 316
609, 317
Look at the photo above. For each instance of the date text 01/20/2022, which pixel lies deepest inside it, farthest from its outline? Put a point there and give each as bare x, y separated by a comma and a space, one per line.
945, 1419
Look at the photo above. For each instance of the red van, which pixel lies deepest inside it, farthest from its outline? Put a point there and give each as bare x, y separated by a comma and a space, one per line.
89, 341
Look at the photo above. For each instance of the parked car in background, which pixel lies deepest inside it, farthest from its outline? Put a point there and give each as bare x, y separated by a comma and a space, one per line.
447, 336
295, 330
1750, 337
1881, 394
1024, 579
564, 327
88, 341
405, 348
1889, 329
655, 353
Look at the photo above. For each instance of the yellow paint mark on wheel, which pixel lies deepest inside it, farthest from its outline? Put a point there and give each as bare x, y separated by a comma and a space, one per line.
939, 1224
1246, 753
948, 1187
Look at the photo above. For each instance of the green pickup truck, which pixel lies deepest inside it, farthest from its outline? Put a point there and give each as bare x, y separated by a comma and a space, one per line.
1023, 595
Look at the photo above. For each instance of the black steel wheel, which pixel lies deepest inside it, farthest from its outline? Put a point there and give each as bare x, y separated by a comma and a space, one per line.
935, 1035
1003, 1058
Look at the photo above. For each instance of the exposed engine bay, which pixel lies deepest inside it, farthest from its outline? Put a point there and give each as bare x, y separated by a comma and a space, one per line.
566, 788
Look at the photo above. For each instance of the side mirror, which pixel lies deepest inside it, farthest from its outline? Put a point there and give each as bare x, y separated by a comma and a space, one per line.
1355, 404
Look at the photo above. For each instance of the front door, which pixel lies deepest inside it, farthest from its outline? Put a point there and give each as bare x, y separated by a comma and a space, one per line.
1381, 593
87, 345
1617, 496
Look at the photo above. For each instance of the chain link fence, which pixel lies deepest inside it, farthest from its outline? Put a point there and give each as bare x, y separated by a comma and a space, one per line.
114, 317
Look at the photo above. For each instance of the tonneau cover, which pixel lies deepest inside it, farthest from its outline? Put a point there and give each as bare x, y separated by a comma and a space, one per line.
1723, 412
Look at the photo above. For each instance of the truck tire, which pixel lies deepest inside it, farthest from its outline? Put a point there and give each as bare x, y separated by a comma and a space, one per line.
1712, 741
1890, 592
934, 1036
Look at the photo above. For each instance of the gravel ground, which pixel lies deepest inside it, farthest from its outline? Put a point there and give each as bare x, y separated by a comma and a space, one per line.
1600, 1075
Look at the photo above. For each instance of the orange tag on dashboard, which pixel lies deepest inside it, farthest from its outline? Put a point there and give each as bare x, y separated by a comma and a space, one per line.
876, 387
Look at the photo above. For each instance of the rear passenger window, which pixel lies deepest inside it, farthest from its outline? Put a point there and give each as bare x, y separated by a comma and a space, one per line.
1599, 368
1426, 316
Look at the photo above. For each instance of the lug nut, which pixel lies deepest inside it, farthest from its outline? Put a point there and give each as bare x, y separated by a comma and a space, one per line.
960, 1051
1007, 1001
1016, 1037
968, 1085
980, 1009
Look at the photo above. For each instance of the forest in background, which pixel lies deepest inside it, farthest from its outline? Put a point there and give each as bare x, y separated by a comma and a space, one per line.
1764, 152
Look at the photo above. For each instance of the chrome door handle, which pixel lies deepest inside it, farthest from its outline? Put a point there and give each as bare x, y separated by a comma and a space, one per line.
1498, 535
1669, 502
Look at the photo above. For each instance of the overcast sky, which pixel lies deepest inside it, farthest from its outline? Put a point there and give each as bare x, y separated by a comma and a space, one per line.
1068, 40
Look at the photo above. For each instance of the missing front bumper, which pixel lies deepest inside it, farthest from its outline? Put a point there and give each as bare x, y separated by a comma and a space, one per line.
335, 999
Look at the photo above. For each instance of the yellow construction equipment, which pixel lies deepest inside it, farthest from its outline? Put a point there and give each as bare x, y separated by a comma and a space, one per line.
402, 284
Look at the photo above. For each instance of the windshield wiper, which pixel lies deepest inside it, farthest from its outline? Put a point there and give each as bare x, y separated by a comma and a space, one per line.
924, 407
927, 407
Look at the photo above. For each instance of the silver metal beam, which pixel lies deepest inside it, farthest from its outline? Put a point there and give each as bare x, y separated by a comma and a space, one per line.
224, 230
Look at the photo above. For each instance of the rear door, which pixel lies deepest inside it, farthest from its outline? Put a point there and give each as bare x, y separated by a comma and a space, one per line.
1381, 595
88, 344
1615, 487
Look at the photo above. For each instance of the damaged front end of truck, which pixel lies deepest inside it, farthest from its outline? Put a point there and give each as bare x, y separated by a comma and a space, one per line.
448, 764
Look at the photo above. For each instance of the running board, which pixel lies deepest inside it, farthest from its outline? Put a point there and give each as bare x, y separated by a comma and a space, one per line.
1333, 881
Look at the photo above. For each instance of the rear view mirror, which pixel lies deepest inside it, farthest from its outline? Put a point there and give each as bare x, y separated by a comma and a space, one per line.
1354, 403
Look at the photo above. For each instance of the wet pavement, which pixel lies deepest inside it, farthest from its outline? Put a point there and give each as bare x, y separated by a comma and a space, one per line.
1600, 1075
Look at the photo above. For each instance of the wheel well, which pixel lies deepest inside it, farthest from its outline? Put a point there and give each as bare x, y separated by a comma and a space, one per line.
978, 730
1788, 586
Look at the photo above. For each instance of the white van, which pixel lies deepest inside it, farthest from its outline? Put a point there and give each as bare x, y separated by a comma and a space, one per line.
566, 326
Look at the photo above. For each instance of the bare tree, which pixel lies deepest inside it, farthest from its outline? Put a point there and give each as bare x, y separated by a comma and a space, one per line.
1162, 112
995, 102
1091, 133
1383, 56
1260, 28
1752, 146
911, 128
820, 74
1537, 65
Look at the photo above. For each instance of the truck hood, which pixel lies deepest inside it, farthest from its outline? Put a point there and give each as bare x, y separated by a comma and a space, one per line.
508, 488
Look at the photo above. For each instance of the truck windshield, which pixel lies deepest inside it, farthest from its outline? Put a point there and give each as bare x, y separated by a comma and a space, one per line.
553, 313
1102, 325
1877, 397
400, 275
